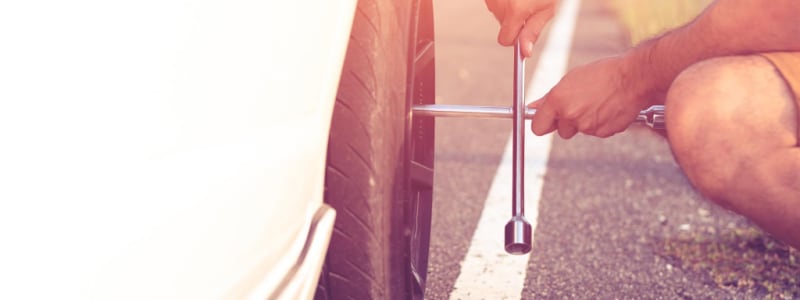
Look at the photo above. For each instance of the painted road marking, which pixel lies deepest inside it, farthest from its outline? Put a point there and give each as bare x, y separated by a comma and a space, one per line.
487, 271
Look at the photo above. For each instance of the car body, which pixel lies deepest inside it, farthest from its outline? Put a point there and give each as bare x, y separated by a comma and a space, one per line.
166, 149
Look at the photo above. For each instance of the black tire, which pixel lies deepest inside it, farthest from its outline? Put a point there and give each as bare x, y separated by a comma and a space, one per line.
379, 174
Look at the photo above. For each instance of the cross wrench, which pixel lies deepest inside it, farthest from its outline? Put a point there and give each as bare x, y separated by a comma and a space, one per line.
518, 231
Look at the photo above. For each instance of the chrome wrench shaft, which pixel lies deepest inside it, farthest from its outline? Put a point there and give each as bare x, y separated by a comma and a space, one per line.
518, 231
652, 116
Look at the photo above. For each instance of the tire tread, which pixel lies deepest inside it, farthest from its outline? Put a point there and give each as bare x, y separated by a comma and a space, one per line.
367, 129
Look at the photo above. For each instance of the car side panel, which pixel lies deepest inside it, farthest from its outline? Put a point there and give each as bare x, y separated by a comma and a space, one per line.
161, 149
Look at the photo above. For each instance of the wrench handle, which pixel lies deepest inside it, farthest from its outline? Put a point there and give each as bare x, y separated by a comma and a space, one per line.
518, 231
652, 116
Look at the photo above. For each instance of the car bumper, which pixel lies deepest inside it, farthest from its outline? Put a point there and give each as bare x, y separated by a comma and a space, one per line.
301, 280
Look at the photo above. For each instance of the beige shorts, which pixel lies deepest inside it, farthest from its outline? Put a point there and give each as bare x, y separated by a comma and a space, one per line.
788, 64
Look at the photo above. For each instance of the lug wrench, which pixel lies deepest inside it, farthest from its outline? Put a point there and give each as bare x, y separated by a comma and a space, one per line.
518, 231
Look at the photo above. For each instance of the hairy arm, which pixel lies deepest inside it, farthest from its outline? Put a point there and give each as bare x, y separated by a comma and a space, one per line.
602, 98
725, 28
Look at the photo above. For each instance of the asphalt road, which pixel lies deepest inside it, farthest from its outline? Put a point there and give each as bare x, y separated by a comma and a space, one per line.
617, 219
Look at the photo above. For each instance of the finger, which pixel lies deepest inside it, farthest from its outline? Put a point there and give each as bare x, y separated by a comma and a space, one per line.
535, 104
605, 131
588, 124
494, 7
510, 27
544, 121
530, 32
614, 121
566, 129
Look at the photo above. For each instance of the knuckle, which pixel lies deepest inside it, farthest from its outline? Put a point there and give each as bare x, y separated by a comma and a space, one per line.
570, 114
585, 127
556, 94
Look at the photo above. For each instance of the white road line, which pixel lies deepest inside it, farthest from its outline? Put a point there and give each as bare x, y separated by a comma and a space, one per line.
487, 272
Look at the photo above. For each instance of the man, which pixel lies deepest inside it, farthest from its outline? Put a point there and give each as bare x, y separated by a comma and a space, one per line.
730, 81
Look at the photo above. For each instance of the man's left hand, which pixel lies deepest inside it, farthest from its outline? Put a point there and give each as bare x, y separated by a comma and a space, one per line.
521, 20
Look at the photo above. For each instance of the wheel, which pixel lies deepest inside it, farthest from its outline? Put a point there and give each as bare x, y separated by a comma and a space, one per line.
379, 174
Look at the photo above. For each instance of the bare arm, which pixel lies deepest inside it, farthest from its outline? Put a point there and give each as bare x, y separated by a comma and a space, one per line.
604, 97
726, 27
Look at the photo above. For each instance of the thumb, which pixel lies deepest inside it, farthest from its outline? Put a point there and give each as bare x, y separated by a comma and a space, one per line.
535, 104
530, 32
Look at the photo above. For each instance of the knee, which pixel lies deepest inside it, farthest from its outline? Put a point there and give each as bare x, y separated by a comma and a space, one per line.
701, 107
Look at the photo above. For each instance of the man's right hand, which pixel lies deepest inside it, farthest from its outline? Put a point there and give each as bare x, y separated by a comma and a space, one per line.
599, 99
521, 19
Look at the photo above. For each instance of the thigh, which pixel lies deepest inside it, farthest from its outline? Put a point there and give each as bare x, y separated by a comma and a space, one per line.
724, 114
787, 65
733, 127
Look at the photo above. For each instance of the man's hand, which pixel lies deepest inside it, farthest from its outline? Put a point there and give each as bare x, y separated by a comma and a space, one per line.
600, 99
521, 19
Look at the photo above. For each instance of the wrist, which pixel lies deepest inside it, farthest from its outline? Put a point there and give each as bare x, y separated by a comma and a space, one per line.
642, 77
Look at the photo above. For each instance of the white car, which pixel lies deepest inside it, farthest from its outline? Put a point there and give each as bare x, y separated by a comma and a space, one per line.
163, 149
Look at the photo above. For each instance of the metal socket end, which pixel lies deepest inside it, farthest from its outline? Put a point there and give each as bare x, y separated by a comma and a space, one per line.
653, 117
518, 236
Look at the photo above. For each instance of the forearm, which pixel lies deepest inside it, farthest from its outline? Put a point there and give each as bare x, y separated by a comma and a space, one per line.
726, 27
